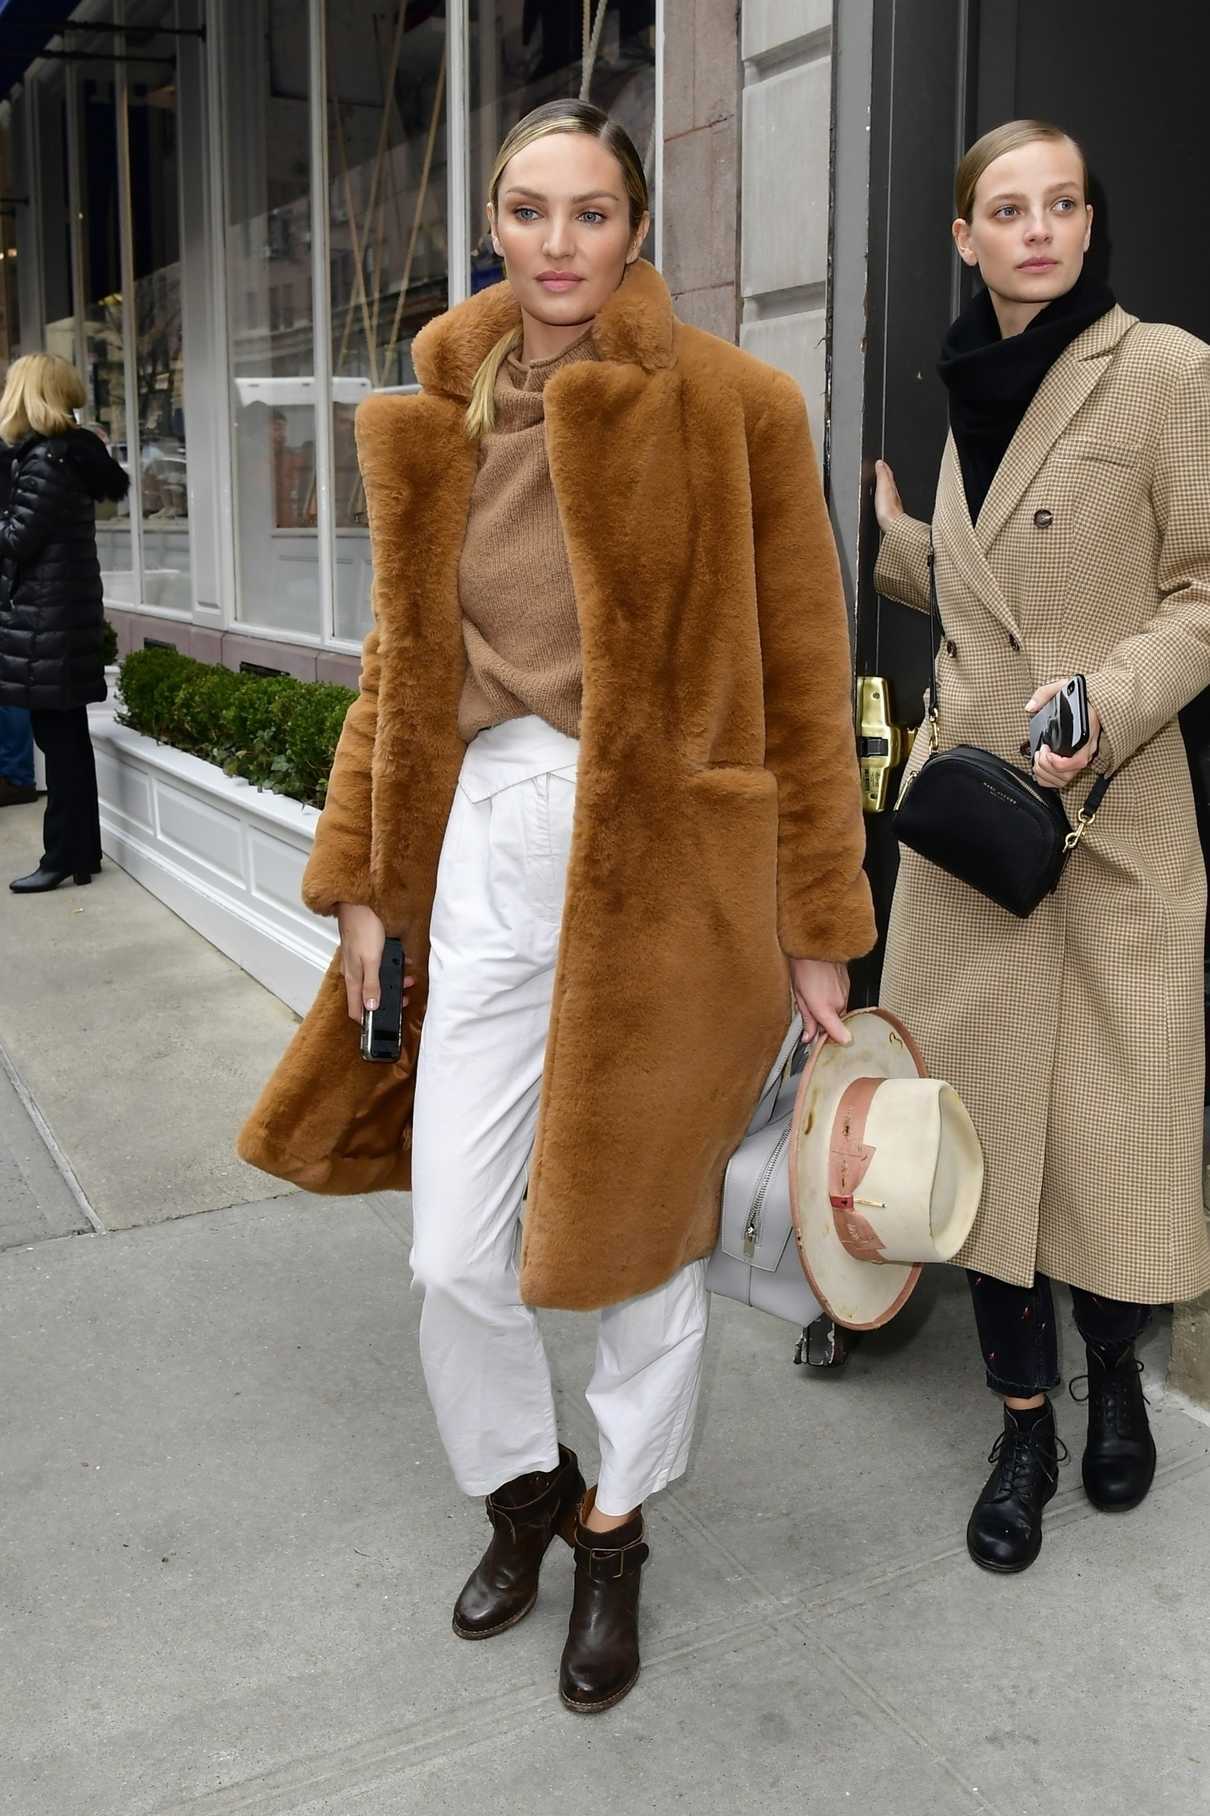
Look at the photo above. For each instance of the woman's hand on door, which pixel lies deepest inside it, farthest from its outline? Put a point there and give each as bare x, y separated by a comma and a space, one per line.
821, 990
887, 503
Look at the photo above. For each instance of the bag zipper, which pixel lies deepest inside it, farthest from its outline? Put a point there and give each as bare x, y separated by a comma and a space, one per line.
752, 1227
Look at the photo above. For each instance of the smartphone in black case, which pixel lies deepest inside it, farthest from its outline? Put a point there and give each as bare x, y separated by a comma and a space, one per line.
382, 1028
1063, 722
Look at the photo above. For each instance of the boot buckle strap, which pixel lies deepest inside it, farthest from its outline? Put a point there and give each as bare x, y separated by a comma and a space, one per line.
606, 1564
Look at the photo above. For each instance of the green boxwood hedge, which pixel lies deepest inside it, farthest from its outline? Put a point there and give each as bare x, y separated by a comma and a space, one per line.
276, 732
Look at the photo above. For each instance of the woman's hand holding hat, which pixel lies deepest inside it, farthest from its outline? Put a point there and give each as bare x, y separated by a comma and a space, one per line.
821, 991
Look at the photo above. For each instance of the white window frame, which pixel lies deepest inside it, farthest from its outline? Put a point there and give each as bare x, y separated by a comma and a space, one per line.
215, 151
40, 71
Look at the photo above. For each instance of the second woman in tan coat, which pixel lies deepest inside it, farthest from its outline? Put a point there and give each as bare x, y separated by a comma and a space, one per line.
1072, 536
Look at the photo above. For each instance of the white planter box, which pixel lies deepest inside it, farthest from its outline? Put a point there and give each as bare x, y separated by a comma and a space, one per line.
225, 856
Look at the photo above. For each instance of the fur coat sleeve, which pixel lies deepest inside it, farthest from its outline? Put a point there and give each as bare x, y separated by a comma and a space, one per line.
338, 869
823, 897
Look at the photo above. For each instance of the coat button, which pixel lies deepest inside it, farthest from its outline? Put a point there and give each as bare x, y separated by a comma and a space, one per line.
1023, 747
1043, 519
1013, 642
951, 648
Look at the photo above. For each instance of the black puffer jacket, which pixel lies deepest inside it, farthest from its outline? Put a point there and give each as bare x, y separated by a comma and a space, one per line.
51, 623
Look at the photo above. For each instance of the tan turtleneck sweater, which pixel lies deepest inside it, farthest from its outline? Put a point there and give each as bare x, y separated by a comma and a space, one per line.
518, 607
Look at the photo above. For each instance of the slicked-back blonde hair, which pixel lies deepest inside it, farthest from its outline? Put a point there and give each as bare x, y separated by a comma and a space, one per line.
994, 144
39, 395
554, 116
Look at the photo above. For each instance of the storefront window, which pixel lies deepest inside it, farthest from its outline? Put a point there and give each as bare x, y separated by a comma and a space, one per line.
266, 99
104, 346
56, 239
159, 353
387, 81
525, 52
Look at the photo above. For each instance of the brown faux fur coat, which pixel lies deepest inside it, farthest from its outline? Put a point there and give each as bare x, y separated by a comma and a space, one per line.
718, 822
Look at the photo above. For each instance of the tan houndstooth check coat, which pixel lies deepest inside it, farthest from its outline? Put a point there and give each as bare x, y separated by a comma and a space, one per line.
1075, 1038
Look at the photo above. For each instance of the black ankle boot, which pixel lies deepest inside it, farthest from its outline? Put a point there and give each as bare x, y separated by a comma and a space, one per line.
526, 1514
40, 880
1005, 1529
1119, 1458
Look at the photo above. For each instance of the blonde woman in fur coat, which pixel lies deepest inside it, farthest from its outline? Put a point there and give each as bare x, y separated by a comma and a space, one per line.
601, 780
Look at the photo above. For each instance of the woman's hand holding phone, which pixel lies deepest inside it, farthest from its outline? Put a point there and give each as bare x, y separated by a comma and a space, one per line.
1059, 772
362, 937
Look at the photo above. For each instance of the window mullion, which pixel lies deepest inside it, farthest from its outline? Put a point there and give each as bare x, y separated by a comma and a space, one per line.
75, 206
322, 316
134, 459
222, 459
457, 127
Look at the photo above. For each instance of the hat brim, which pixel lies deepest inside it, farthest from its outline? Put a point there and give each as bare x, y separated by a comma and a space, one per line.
860, 1295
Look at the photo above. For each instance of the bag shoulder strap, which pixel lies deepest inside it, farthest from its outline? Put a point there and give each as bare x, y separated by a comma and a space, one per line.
1096, 793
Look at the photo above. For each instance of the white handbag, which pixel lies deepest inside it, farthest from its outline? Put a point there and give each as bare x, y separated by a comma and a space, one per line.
756, 1259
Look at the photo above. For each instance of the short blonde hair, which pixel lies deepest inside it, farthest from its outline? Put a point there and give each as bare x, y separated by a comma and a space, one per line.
994, 144
39, 395
553, 116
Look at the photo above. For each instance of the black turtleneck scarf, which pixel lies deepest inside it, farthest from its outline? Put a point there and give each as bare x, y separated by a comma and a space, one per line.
992, 381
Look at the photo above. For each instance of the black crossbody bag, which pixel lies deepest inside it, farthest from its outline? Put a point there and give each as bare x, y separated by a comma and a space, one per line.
982, 819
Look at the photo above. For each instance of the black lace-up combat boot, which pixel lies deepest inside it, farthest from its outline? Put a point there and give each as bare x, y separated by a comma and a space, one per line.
1005, 1529
1119, 1458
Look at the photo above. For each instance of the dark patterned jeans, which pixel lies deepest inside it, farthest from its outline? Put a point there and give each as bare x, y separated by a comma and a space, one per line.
1017, 1330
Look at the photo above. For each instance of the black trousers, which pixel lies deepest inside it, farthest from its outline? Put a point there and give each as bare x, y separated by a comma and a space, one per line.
71, 827
1017, 1330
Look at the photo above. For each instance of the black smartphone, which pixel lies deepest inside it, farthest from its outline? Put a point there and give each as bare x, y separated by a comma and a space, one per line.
1063, 722
382, 1028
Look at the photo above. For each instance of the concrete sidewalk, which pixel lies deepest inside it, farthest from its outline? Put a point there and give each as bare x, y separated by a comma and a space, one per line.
231, 1545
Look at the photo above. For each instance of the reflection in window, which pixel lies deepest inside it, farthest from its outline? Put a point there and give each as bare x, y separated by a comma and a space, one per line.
51, 117
388, 266
159, 362
105, 411
266, 95
526, 52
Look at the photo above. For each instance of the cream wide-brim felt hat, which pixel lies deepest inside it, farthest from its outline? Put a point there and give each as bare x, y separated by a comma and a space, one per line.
886, 1170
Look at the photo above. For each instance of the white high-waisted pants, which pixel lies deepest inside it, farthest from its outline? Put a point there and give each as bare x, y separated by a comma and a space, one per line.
495, 934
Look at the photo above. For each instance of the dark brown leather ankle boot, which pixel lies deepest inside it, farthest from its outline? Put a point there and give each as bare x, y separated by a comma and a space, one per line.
525, 1514
601, 1658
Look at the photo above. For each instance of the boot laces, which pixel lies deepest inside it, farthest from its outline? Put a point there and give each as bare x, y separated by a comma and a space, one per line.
1118, 1397
1018, 1454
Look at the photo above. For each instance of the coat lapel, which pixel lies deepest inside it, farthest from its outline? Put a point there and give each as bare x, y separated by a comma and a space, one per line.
1064, 391
956, 534
1059, 398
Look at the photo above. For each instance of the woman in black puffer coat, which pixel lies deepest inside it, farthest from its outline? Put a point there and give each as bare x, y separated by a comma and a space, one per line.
51, 621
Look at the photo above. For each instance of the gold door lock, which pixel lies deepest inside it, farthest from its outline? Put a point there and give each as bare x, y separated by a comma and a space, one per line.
882, 745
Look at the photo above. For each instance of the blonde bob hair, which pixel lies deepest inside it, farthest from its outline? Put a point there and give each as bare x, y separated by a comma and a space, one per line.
994, 144
39, 395
554, 116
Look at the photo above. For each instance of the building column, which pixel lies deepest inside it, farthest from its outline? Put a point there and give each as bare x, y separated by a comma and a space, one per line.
787, 110
701, 161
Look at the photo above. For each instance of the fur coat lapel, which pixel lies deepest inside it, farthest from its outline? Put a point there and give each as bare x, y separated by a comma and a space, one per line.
607, 430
